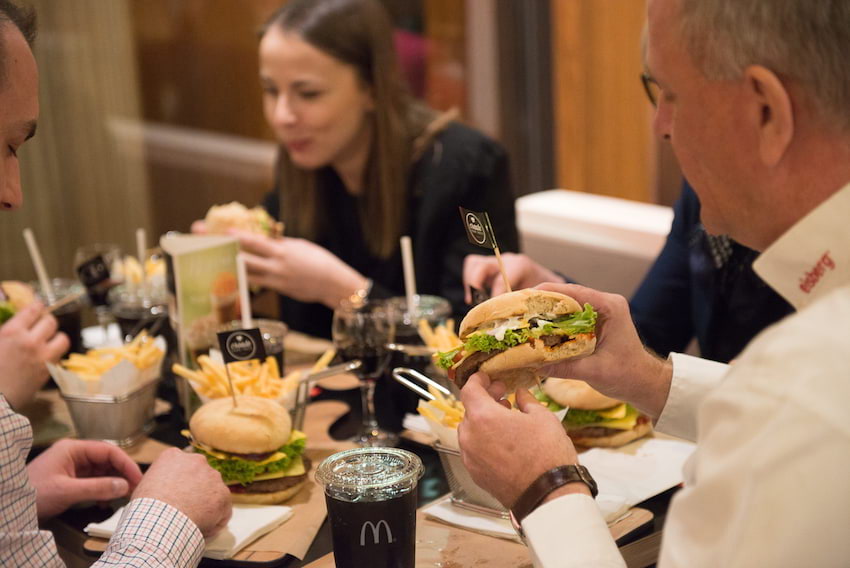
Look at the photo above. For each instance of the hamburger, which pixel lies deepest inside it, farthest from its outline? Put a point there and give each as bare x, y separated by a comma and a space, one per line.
511, 336
253, 446
593, 419
14, 296
221, 218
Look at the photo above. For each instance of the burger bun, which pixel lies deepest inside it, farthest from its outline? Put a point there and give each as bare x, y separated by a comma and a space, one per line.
256, 425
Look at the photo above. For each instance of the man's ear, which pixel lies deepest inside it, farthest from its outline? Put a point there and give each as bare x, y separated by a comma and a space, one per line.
773, 112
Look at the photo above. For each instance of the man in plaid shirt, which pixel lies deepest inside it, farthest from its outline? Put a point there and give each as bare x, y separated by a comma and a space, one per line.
179, 502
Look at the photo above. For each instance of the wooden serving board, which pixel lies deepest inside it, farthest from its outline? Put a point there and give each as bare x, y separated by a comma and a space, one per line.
438, 544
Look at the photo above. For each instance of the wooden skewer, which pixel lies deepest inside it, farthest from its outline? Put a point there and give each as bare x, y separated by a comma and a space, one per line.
64, 301
502, 269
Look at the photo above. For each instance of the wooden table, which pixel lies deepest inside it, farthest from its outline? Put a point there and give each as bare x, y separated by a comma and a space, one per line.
438, 544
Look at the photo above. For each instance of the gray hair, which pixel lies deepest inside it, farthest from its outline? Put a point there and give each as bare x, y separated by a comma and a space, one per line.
807, 41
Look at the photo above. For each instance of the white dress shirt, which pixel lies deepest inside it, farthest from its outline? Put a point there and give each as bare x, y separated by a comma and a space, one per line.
769, 483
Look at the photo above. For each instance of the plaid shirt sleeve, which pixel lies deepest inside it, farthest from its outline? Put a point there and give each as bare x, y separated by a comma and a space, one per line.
21, 542
153, 534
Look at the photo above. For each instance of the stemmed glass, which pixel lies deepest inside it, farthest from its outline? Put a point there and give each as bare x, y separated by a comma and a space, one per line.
362, 330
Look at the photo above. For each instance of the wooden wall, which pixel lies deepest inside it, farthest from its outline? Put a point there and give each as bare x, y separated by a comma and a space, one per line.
602, 133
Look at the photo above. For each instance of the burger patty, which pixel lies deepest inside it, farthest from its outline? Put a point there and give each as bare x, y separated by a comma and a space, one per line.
471, 364
273, 485
601, 431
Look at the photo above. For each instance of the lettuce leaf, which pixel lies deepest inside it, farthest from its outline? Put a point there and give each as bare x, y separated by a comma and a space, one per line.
547, 402
574, 324
244, 471
445, 359
7, 310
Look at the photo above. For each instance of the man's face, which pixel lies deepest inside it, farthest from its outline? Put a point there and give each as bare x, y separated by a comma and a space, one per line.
702, 119
18, 111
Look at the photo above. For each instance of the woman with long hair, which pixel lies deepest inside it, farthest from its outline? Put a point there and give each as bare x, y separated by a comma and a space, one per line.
361, 163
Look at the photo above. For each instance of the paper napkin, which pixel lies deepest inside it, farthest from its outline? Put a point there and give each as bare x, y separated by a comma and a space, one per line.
248, 523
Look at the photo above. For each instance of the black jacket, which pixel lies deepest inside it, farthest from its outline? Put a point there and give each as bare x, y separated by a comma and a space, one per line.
686, 295
462, 167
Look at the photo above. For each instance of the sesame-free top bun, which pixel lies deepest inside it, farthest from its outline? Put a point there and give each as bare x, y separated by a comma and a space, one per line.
577, 394
17, 293
257, 425
517, 366
528, 302
234, 215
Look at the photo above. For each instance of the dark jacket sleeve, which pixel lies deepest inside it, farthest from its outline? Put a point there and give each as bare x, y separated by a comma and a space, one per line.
463, 168
661, 305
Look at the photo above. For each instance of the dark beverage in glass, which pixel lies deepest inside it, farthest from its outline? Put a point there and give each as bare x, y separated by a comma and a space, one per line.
371, 498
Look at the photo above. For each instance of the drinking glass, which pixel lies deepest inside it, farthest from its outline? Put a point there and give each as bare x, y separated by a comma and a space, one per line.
362, 331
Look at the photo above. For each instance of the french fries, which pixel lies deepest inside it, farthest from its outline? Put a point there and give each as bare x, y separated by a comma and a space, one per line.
141, 352
446, 410
253, 377
442, 337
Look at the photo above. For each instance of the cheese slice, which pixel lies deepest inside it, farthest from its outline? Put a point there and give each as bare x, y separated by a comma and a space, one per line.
296, 468
618, 411
296, 435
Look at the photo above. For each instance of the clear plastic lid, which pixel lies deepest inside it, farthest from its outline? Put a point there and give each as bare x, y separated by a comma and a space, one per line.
370, 474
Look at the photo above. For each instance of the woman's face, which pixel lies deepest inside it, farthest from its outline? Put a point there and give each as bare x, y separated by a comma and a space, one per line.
317, 105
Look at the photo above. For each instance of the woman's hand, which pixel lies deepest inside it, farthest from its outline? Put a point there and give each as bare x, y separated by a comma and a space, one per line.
298, 268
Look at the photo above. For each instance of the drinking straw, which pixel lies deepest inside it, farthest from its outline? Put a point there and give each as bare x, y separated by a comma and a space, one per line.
38, 263
244, 301
409, 274
141, 249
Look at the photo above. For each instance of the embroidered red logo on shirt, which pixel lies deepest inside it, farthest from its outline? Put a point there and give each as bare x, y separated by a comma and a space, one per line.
813, 276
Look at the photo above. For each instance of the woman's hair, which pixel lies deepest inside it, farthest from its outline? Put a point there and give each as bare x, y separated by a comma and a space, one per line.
803, 40
358, 33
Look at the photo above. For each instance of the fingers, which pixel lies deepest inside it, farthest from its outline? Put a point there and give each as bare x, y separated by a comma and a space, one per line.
25, 318
56, 347
478, 272
258, 245
526, 402
199, 227
259, 265
476, 394
97, 488
45, 328
102, 455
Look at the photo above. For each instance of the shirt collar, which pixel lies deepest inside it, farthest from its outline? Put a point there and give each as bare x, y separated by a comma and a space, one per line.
813, 257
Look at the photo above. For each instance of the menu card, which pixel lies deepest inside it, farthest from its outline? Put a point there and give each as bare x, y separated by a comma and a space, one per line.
202, 289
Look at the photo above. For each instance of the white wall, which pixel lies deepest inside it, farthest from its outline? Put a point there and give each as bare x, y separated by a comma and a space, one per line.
602, 242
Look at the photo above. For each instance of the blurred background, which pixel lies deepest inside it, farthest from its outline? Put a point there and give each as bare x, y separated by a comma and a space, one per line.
151, 109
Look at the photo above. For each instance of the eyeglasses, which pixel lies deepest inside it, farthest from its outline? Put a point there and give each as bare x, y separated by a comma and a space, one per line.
652, 88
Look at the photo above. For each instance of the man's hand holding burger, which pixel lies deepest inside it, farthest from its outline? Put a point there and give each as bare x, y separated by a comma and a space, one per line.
506, 450
620, 367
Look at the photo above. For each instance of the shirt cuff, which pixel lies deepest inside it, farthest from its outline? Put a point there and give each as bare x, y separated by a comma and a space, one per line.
150, 528
693, 379
570, 531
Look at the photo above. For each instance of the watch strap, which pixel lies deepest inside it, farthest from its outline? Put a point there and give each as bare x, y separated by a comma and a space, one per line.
549, 481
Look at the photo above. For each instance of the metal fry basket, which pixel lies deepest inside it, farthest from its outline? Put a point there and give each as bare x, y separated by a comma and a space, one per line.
465, 493
122, 420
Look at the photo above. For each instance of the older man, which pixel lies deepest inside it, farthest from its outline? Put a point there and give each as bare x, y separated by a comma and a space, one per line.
755, 100
177, 503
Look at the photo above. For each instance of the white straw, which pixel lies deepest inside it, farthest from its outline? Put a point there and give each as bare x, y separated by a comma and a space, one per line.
38, 263
409, 274
141, 249
244, 301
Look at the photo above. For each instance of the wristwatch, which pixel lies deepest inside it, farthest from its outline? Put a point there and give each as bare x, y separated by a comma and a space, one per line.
544, 485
